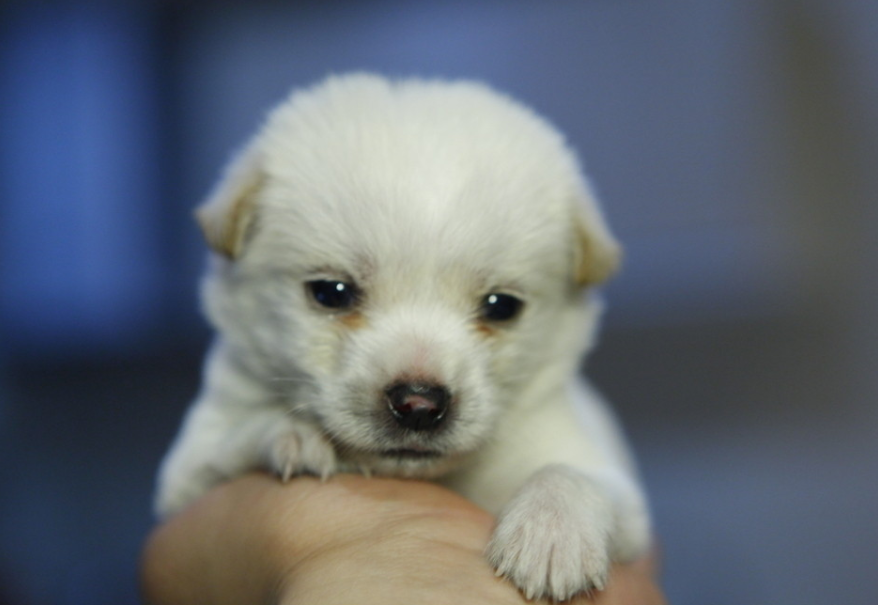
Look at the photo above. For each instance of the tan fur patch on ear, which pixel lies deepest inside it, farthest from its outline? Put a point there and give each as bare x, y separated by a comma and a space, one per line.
225, 226
598, 255
228, 212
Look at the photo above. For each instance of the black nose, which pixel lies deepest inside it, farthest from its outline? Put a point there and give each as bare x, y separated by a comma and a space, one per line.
419, 407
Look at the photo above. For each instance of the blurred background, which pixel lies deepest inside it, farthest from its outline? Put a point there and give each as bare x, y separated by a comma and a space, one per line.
733, 144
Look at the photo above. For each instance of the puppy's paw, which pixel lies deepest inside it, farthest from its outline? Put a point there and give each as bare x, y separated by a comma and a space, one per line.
301, 449
552, 539
179, 488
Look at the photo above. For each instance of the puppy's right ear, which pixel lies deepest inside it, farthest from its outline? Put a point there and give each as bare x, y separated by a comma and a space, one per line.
226, 216
597, 252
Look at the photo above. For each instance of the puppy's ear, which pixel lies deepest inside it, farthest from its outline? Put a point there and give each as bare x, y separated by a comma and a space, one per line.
597, 254
228, 212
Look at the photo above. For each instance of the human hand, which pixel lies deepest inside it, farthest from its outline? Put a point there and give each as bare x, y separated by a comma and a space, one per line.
347, 540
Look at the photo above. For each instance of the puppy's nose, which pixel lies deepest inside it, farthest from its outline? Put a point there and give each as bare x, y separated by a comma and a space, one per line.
419, 407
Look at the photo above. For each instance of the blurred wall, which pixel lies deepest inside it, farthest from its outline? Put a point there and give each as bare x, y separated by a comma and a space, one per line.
732, 144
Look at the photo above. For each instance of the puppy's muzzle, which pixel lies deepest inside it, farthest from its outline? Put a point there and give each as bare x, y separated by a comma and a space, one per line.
418, 407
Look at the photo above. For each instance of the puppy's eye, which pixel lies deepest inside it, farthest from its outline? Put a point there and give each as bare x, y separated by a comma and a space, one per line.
501, 307
333, 294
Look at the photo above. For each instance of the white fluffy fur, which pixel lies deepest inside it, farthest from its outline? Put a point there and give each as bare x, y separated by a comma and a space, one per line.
428, 195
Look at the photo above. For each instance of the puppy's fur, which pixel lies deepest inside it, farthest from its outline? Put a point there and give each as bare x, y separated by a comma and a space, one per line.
423, 198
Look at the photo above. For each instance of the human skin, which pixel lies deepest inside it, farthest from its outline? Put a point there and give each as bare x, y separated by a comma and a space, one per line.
350, 539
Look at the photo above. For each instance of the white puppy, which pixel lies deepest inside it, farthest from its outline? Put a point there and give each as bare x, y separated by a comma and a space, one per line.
402, 284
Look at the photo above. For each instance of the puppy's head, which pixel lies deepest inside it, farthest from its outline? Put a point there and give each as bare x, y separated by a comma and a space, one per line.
406, 262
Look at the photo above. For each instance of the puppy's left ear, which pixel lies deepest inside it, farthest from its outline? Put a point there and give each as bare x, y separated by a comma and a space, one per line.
227, 214
598, 254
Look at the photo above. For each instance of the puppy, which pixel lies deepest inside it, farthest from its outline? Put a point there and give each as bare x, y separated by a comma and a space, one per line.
403, 284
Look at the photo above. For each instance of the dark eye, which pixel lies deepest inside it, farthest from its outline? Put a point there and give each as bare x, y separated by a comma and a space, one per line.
333, 294
501, 307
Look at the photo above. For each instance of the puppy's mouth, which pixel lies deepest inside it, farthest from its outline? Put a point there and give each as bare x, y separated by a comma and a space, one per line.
404, 453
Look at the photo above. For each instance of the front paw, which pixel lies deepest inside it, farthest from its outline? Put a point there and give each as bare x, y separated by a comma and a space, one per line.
179, 487
301, 449
552, 539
